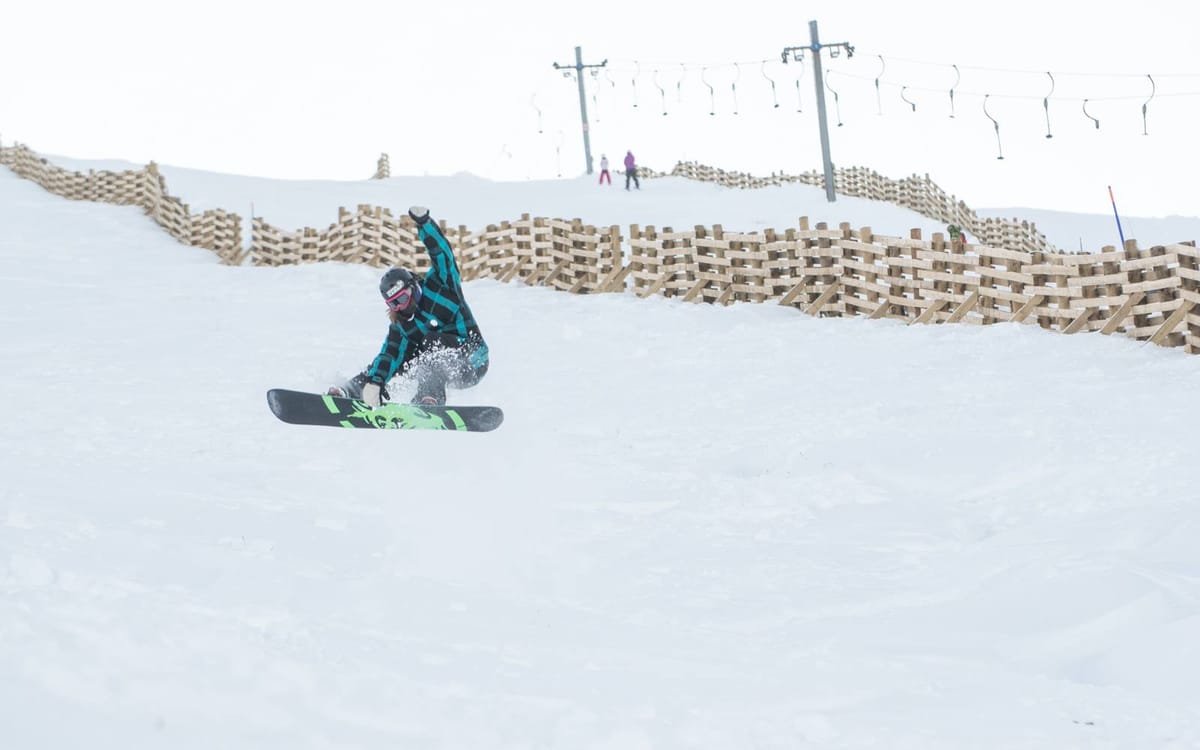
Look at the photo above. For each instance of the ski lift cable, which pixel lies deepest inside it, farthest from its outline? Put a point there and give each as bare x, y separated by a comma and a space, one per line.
1086, 73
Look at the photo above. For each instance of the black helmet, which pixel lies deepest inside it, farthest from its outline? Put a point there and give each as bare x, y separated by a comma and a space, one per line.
401, 291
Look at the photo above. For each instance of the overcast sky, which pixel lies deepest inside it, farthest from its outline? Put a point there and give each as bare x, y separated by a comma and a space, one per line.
303, 90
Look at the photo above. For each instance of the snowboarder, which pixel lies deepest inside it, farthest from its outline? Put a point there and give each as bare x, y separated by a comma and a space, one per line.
604, 174
631, 171
433, 336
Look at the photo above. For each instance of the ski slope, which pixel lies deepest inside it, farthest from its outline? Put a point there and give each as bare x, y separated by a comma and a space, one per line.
698, 527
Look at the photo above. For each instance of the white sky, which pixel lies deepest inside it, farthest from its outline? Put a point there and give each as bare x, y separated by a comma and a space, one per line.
301, 90
699, 527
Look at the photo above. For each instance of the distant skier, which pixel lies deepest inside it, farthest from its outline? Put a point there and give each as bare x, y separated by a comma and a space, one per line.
958, 236
631, 171
433, 336
604, 174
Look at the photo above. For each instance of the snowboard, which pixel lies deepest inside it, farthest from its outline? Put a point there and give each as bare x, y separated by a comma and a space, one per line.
297, 407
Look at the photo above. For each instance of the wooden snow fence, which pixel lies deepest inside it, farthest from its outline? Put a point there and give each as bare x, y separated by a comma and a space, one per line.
1148, 294
215, 230
565, 255
1011, 275
370, 235
916, 193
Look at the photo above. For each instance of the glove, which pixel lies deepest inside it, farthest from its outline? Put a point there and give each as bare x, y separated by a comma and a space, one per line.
419, 214
370, 394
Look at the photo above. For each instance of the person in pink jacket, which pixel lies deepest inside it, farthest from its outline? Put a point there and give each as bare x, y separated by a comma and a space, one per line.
631, 171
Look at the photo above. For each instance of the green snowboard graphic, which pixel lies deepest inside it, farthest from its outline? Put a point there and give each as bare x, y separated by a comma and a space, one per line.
296, 407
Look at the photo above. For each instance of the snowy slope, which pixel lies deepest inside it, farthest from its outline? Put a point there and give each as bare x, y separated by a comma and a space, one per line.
699, 527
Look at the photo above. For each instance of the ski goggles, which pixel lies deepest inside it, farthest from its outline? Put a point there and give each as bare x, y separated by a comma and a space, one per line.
401, 300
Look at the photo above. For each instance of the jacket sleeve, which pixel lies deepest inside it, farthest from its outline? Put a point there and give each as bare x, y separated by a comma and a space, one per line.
391, 357
440, 254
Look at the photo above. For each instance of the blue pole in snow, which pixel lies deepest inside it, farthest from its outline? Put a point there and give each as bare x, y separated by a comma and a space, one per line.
1120, 231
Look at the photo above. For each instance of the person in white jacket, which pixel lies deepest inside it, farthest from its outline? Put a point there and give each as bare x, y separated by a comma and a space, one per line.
604, 175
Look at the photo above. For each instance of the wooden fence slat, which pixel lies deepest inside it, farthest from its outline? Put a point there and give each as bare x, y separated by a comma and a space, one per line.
930, 312
1080, 321
967, 306
1119, 316
695, 291
795, 291
1171, 323
1028, 308
512, 271
610, 282
554, 272
821, 301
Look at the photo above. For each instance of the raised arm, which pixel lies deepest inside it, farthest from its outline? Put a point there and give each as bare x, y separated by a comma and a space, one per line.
436, 244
